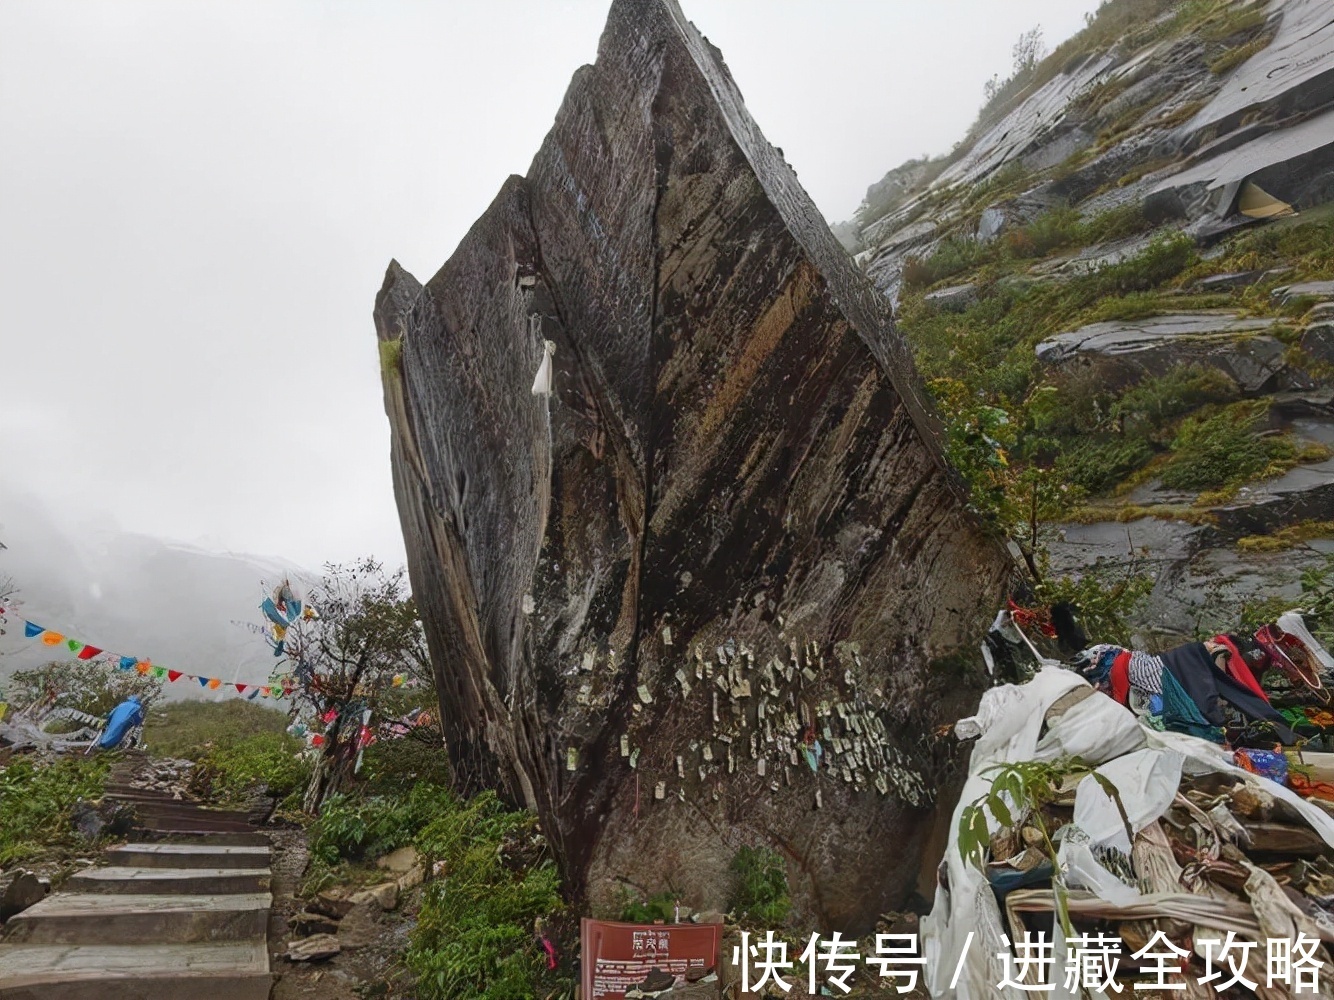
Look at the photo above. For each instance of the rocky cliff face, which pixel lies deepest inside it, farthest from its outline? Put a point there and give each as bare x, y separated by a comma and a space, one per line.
729, 527
1120, 277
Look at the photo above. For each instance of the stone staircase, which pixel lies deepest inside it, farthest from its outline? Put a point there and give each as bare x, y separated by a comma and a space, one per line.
180, 911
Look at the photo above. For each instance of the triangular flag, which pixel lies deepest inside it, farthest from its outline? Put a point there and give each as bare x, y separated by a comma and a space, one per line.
173, 675
127, 663
240, 688
88, 652
203, 681
264, 692
52, 638
252, 694
159, 673
74, 645
32, 630
215, 683
143, 666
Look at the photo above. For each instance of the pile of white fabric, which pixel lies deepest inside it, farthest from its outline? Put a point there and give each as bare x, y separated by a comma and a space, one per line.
1053, 716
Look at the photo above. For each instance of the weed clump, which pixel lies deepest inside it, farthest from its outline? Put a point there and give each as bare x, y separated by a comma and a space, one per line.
36, 801
1223, 448
761, 893
476, 934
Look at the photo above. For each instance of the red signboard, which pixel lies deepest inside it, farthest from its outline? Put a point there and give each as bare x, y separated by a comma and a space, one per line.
618, 957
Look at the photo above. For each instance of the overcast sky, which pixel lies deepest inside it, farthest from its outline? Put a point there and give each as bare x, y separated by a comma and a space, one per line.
198, 201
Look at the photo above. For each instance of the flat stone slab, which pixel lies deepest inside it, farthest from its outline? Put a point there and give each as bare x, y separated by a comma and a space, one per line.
225, 971
1304, 289
1126, 350
114, 918
195, 881
236, 838
189, 856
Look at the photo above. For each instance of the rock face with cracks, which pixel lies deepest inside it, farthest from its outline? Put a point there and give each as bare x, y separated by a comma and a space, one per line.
727, 531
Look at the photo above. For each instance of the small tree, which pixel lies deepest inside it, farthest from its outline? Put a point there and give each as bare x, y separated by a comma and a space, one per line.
344, 660
1028, 51
94, 687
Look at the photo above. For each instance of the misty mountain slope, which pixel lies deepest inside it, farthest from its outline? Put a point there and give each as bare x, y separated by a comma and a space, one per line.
139, 596
1120, 288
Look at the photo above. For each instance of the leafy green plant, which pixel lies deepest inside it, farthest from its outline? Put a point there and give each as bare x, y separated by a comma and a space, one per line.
657, 908
1222, 448
1105, 608
232, 769
351, 827
36, 799
476, 933
1016, 798
761, 893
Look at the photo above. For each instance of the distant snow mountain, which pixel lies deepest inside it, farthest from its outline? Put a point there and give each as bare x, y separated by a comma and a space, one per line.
180, 606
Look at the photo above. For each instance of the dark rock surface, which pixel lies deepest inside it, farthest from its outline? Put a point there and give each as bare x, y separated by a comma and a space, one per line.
730, 519
1124, 351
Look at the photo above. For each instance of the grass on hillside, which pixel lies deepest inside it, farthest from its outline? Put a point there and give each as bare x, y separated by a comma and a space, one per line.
1026, 437
36, 799
237, 746
184, 729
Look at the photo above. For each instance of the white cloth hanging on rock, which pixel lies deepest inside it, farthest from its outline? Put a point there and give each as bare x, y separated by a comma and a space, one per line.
542, 382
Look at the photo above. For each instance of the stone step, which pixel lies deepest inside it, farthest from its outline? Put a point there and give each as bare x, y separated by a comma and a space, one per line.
221, 971
193, 881
191, 810
79, 918
235, 838
170, 855
201, 823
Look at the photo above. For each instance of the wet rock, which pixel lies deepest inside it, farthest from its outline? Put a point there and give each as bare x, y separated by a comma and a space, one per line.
1226, 282
313, 949
361, 927
307, 924
333, 903
1318, 341
104, 818
384, 896
956, 298
729, 400
1124, 351
399, 861
1323, 290
24, 890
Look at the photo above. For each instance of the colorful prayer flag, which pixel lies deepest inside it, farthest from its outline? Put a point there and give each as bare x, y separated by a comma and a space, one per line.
32, 630
203, 681
144, 667
50, 638
127, 663
159, 673
173, 675
88, 652
214, 683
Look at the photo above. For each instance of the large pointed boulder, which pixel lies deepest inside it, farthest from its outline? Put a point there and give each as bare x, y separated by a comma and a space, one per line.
717, 585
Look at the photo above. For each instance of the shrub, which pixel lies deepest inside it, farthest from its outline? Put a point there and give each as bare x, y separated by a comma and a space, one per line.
1098, 465
761, 893
351, 827
36, 799
1151, 404
398, 765
232, 769
1220, 449
1104, 608
954, 255
475, 934
660, 907
94, 687
1162, 260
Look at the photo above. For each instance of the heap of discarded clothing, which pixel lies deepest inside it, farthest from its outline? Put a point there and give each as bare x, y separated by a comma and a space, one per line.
1222, 818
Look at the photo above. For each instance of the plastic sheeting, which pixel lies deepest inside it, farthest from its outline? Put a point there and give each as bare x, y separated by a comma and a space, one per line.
962, 936
965, 920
